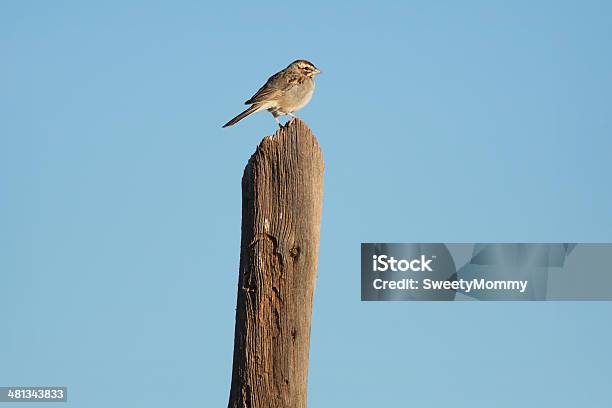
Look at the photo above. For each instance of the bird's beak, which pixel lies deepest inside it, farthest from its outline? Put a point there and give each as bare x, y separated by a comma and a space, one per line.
317, 71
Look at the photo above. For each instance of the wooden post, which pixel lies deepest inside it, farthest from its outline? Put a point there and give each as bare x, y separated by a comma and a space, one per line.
282, 192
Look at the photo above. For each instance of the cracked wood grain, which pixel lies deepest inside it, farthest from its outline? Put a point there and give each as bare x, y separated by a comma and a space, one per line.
282, 193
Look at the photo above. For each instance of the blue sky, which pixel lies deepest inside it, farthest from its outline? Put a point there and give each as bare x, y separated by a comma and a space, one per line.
479, 121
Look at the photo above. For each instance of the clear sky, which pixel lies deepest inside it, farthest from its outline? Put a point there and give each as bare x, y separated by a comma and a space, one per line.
440, 121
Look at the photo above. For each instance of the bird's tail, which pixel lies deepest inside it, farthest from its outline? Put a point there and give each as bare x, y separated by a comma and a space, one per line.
242, 115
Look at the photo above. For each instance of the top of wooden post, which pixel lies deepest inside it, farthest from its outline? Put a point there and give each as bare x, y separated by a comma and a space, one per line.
294, 136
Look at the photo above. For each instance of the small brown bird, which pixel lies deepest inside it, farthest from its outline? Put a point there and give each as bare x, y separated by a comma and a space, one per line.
284, 93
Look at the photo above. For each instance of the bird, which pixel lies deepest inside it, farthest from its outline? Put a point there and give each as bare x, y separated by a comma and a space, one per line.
285, 92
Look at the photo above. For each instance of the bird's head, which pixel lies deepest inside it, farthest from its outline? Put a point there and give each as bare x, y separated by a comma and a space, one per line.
305, 67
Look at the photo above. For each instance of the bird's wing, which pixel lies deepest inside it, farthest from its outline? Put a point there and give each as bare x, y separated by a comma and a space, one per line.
276, 86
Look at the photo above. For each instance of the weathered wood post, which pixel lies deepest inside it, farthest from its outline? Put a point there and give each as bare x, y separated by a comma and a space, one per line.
282, 194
